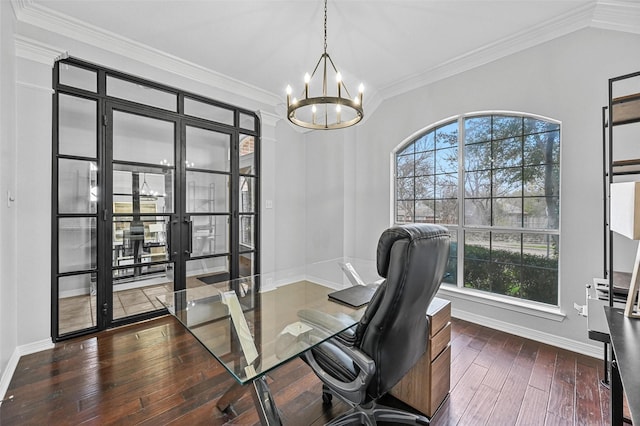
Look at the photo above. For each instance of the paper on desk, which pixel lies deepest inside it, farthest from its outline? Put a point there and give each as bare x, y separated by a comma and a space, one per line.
297, 328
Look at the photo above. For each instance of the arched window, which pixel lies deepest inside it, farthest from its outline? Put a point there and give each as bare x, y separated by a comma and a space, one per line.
494, 180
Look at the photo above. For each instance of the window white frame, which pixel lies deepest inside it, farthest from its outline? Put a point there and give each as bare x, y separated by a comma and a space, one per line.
457, 231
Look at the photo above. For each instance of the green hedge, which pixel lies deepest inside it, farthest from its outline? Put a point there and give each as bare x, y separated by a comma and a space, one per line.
532, 277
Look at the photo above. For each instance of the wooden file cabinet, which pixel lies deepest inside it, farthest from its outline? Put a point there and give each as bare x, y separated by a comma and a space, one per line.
426, 385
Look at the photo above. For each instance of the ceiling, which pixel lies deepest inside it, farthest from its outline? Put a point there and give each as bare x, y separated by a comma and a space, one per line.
391, 46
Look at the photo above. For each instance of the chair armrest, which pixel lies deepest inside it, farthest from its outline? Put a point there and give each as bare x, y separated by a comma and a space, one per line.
329, 322
355, 390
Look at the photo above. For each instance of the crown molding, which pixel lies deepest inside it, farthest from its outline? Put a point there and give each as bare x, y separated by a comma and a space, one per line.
33, 50
50, 20
618, 16
269, 119
564, 24
15, 8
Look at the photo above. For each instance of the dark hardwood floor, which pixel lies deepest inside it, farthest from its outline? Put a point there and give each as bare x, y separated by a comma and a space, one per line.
155, 373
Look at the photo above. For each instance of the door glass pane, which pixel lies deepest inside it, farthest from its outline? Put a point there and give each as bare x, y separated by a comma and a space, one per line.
207, 192
208, 150
142, 189
247, 121
77, 126
142, 139
77, 186
247, 265
140, 241
76, 302
247, 155
207, 271
247, 194
81, 78
246, 232
135, 291
142, 94
76, 244
208, 111
210, 235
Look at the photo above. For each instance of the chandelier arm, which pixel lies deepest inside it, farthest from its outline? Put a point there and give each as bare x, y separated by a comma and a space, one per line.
336, 70
313, 73
317, 65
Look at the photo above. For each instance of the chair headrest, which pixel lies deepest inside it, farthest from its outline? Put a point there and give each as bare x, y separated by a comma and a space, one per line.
408, 232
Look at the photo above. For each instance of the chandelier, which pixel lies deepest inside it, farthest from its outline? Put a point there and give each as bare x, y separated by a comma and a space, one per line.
325, 111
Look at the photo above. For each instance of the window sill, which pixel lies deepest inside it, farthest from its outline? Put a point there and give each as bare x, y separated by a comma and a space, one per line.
528, 308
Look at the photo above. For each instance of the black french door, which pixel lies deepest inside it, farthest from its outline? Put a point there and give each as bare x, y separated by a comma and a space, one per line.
146, 199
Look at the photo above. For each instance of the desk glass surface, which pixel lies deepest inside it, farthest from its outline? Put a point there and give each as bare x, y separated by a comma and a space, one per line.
251, 327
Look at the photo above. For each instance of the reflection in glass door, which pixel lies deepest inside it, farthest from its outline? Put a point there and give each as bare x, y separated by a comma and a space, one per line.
142, 188
207, 206
76, 177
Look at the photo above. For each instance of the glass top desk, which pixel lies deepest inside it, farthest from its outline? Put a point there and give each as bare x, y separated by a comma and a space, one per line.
253, 325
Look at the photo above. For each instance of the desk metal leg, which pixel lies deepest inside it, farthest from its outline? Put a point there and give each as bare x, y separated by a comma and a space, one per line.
266, 406
232, 394
605, 381
616, 394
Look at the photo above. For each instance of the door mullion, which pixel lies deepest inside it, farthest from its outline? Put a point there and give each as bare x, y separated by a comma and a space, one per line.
104, 305
178, 234
234, 218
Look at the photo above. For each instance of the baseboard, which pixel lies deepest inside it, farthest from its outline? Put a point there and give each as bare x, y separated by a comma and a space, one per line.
7, 374
27, 349
528, 333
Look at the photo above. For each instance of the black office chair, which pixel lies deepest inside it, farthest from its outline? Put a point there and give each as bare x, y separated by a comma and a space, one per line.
364, 363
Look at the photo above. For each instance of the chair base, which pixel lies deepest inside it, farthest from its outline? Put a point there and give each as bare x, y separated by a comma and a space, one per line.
371, 413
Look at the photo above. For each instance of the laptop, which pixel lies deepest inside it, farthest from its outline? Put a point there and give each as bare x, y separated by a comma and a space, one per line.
355, 296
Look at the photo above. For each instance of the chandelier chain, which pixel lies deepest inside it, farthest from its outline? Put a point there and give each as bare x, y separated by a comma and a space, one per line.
325, 26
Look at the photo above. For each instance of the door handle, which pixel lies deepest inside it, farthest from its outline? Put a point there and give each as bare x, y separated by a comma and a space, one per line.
189, 236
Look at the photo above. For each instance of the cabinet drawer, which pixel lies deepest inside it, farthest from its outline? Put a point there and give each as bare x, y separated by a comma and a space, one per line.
439, 312
440, 380
440, 341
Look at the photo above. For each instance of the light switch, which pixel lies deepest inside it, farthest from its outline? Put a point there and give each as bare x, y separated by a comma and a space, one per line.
269, 204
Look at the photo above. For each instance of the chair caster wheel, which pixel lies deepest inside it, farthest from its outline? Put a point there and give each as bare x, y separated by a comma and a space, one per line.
326, 398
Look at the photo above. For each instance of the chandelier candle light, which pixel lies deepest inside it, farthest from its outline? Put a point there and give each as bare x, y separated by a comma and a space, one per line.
324, 112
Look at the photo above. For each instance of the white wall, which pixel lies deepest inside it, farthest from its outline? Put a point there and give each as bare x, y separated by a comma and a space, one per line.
33, 200
331, 190
565, 79
288, 179
8, 282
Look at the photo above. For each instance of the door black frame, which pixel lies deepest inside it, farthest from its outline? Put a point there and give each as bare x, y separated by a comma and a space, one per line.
105, 105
